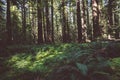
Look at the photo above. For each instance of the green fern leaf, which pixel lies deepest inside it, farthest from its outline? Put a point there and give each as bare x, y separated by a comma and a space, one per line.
83, 68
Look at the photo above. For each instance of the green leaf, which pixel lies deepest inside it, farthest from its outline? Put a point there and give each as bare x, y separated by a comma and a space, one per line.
83, 68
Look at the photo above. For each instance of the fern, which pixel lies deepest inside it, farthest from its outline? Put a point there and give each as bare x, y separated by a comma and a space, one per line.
83, 68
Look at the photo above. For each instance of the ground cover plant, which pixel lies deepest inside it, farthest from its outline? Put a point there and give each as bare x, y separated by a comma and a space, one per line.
86, 61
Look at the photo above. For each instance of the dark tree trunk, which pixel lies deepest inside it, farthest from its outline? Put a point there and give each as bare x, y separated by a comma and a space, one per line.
49, 39
79, 21
68, 29
40, 33
96, 27
24, 21
8, 24
52, 23
44, 26
110, 17
89, 31
110, 13
84, 25
64, 32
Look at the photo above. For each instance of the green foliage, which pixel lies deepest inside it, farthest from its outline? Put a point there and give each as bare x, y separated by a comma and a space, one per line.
83, 68
63, 61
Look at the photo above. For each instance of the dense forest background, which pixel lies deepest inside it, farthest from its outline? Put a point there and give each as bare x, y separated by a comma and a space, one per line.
59, 39
50, 21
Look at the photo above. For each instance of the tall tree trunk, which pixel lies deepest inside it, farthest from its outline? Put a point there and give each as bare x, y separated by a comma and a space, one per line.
24, 21
95, 12
52, 21
39, 13
44, 26
110, 17
89, 31
79, 21
67, 28
49, 40
64, 33
110, 13
84, 25
8, 24
29, 19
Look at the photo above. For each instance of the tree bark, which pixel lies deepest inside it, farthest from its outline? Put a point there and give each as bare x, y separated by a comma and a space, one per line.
79, 25
95, 13
49, 39
52, 21
40, 28
110, 14
84, 24
8, 24
110, 17
64, 32
24, 21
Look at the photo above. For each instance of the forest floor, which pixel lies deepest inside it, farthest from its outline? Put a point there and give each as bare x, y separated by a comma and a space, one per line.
70, 61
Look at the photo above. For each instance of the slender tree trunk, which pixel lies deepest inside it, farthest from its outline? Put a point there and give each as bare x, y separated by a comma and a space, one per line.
30, 22
79, 21
110, 13
40, 31
68, 29
52, 21
24, 20
8, 24
49, 40
96, 27
110, 17
89, 31
33, 24
84, 24
64, 33
44, 26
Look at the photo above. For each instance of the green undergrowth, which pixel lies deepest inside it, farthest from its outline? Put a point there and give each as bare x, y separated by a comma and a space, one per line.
59, 62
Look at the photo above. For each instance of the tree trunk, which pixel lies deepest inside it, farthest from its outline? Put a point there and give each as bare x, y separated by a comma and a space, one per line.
68, 28
40, 33
64, 33
52, 22
110, 14
8, 24
110, 17
89, 30
84, 25
95, 12
24, 21
79, 21
49, 39
44, 26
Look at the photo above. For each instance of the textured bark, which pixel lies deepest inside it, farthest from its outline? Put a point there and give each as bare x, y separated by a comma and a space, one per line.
96, 27
79, 21
49, 37
24, 21
8, 24
52, 22
64, 30
40, 33
44, 26
84, 24
110, 14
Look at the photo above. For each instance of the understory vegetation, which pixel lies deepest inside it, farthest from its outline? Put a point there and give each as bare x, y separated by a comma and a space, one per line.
70, 61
